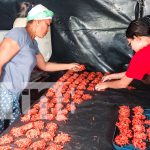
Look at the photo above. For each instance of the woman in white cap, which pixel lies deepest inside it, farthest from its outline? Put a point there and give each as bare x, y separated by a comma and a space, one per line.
44, 44
19, 54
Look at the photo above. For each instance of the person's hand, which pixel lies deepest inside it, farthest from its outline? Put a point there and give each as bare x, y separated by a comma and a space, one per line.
114, 76
76, 67
101, 86
106, 78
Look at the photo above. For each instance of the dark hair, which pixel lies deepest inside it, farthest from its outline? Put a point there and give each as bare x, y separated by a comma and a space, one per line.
138, 28
25, 7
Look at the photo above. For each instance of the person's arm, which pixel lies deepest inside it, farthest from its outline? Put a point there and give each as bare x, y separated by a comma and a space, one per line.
8, 49
114, 76
122, 83
48, 66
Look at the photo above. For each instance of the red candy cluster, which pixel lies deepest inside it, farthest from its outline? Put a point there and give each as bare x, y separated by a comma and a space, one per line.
135, 131
139, 134
123, 126
38, 131
81, 67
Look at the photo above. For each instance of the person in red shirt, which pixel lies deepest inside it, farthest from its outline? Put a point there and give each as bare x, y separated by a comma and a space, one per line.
138, 36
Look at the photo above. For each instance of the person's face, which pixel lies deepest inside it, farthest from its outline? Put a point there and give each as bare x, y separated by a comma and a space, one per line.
42, 27
136, 43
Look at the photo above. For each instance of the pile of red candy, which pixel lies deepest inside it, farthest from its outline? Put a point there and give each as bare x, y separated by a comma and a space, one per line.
133, 129
37, 129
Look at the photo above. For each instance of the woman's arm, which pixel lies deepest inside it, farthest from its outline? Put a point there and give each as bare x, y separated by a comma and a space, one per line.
48, 66
8, 49
122, 83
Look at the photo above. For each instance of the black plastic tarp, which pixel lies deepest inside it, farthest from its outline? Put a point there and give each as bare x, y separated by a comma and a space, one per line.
92, 125
86, 31
97, 134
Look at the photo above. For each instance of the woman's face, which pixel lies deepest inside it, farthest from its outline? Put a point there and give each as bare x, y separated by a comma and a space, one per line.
42, 27
136, 43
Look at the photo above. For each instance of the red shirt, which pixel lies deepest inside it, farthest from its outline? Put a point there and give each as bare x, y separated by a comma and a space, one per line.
140, 64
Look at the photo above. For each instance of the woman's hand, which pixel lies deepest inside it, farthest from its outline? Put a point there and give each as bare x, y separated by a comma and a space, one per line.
117, 84
114, 76
74, 67
101, 87
107, 78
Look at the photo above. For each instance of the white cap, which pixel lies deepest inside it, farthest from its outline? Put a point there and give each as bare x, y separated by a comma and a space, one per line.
39, 12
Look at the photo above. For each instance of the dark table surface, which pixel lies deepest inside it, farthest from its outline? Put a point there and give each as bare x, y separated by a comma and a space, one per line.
92, 125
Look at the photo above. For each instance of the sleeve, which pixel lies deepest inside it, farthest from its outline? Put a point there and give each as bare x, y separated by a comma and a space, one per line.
137, 68
37, 51
15, 35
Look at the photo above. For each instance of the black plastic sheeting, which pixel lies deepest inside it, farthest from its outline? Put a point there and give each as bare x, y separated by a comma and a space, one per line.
85, 31
93, 34
97, 134
92, 125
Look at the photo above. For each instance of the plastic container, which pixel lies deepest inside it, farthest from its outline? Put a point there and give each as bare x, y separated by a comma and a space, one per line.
126, 147
130, 146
